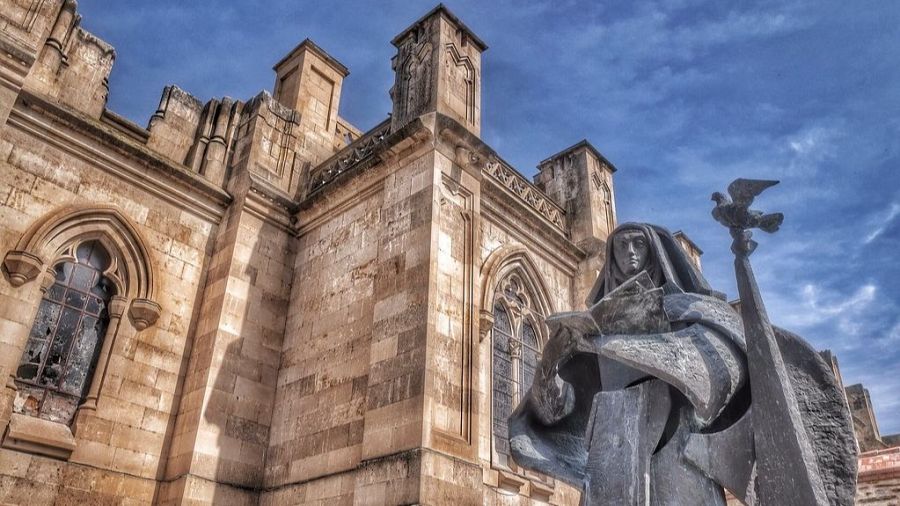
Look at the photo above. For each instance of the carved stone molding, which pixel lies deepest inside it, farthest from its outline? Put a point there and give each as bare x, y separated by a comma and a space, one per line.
349, 157
413, 93
21, 267
528, 193
461, 70
117, 306
144, 313
485, 323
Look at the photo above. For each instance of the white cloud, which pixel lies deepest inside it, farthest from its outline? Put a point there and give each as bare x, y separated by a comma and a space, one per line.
883, 223
813, 306
809, 147
859, 300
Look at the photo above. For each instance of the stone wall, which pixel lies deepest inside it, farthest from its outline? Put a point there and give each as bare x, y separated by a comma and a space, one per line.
350, 387
45, 168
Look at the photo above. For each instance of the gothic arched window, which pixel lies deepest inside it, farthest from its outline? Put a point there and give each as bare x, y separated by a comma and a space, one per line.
516, 353
65, 339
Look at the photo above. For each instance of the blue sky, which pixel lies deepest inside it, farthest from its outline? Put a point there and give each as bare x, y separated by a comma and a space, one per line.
681, 95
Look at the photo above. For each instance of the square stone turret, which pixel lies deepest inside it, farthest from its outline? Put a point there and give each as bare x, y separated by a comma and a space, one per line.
437, 69
309, 80
580, 180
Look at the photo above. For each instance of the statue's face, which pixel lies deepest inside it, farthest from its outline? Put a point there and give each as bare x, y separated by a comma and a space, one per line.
630, 251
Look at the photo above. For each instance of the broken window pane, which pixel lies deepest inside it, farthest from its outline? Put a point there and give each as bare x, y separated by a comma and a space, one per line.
45, 321
55, 369
56, 293
75, 299
82, 355
94, 305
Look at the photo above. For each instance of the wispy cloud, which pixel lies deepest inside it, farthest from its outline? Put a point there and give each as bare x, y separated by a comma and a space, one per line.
809, 147
814, 307
883, 223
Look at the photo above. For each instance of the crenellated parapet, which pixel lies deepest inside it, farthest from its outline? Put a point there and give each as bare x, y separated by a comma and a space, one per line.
211, 152
45, 50
74, 65
173, 125
198, 135
24, 26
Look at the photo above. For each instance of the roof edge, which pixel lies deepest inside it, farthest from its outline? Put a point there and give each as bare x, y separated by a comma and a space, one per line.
444, 11
583, 143
321, 53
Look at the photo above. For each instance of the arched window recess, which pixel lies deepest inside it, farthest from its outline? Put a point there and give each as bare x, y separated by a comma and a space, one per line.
96, 269
49, 238
78, 305
516, 300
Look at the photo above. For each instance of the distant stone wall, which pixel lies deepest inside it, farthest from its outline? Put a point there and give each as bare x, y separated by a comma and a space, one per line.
879, 478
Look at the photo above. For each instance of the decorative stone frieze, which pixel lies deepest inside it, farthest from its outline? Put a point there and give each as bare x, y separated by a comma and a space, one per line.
535, 199
351, 156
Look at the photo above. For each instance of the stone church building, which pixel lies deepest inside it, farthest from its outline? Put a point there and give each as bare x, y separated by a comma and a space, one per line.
255, 302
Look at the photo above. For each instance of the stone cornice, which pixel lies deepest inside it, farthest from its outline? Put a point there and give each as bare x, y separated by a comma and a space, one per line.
442, 10
498, 208
472, 154
270, 204
308, 44
370, 150
85, 138
581, 144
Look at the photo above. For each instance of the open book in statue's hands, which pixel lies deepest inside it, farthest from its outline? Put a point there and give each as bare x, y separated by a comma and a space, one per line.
634, 307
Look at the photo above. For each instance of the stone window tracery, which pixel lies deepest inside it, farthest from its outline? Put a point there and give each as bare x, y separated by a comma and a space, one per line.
516, 353
60, 355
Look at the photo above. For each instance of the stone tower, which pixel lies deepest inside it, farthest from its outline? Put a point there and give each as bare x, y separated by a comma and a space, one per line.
580, 180
437, 69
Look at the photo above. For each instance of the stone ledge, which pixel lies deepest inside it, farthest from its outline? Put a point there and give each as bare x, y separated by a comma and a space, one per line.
518, 482
42, 437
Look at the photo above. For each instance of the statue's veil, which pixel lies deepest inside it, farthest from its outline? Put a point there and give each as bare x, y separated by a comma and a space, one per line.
668, 265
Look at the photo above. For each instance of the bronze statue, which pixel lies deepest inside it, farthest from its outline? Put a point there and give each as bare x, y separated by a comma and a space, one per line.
652, 396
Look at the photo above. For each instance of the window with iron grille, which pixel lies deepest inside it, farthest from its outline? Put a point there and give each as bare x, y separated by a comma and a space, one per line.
56, 366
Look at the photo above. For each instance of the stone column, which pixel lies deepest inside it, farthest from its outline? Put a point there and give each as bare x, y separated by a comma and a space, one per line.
26, 26
15, 346
116, 309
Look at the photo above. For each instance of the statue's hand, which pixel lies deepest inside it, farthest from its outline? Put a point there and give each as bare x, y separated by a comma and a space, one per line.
568, 332
553, 397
